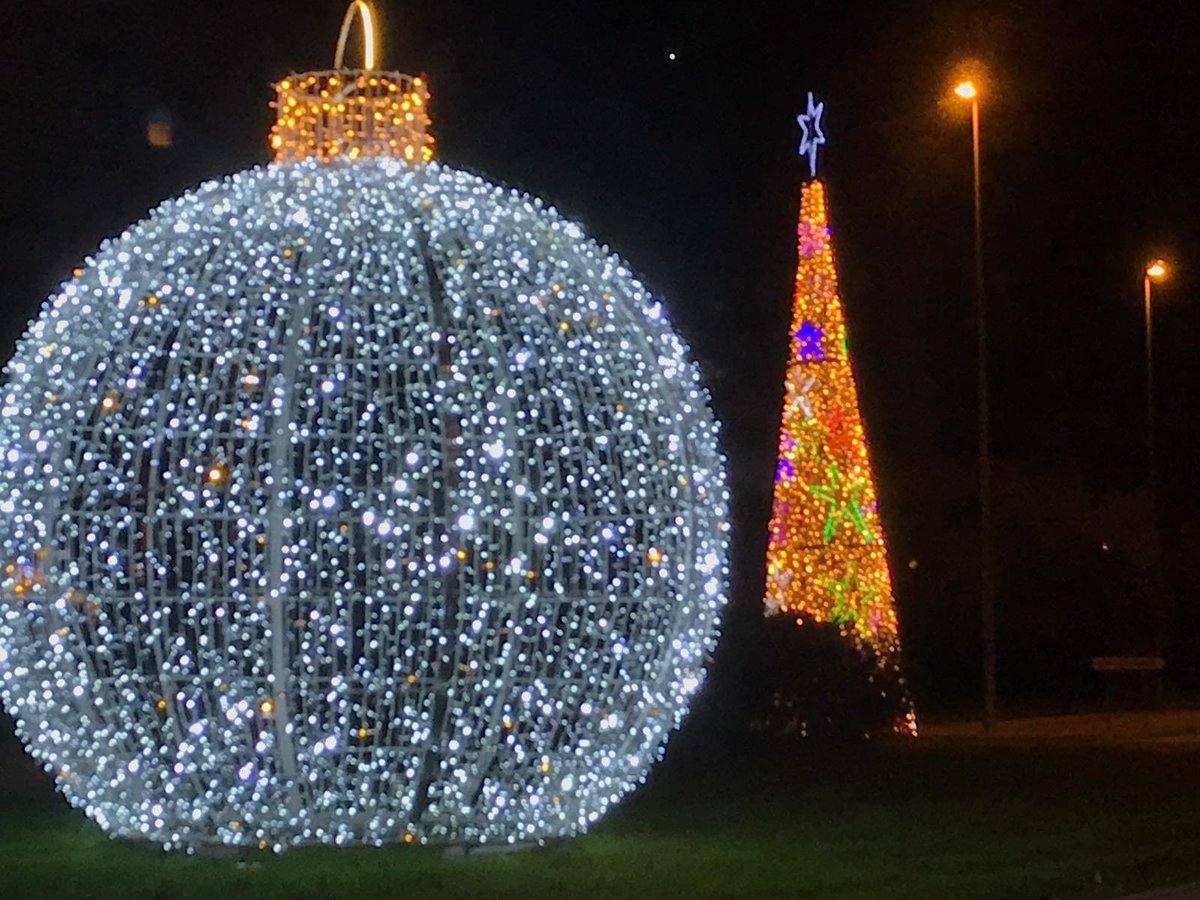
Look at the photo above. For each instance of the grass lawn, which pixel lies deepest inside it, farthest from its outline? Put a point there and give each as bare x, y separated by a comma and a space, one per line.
939, 817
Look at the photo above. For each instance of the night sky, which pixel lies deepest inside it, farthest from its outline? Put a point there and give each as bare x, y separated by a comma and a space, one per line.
687, 167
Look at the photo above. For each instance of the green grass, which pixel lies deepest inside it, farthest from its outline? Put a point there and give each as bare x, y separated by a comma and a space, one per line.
917, 819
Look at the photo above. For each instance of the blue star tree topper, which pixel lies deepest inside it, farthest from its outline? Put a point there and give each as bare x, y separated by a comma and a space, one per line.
811, 136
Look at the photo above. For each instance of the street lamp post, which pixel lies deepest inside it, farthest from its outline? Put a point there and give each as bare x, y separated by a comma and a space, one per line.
967, 90
1155, 270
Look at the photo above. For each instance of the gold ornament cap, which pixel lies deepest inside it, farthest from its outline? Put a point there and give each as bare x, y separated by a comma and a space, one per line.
352, 113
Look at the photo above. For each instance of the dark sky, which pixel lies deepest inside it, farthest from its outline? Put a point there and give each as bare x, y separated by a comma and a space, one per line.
688, 169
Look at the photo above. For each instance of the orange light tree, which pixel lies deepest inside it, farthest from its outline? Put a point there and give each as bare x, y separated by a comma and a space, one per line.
826, 557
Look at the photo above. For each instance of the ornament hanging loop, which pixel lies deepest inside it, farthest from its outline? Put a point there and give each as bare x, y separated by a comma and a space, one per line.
366, 17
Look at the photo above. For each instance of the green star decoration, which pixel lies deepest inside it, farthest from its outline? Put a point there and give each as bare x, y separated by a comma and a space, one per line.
842, 499
810, 436
850, 601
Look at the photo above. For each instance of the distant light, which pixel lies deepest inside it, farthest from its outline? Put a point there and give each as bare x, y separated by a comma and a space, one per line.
1156, 270
159, 132
671, 55
966, 90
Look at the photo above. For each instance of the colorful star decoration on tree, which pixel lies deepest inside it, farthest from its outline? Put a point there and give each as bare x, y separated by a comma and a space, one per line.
843, 503
805, 385
842, 431
808, 341
852, 598
826, 556
811, 239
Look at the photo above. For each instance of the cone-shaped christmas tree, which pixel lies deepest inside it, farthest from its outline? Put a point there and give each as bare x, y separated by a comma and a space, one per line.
826, 559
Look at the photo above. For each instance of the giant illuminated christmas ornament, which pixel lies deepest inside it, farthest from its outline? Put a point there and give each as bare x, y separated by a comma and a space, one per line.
826, 557
354, 499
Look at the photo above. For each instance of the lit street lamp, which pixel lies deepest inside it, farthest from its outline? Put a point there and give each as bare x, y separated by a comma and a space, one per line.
966, 90
1155, 270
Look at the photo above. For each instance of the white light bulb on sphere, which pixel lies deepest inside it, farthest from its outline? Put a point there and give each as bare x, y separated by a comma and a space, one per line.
354, 501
